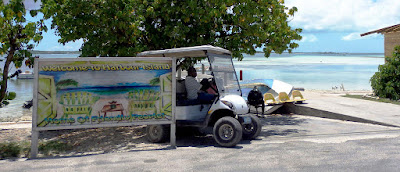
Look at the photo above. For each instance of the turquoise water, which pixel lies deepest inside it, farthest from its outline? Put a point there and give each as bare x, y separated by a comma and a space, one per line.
310, 71
313, 71
23, 88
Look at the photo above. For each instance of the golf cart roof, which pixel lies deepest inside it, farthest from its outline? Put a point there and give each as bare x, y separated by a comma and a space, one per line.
197, 51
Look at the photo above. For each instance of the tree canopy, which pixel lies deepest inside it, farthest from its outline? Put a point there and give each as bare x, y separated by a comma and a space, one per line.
17, 36
127, 27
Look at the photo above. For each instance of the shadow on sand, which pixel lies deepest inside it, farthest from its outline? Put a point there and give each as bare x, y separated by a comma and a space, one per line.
86, 142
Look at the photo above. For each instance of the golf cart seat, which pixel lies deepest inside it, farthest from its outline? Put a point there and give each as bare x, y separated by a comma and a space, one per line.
181, 95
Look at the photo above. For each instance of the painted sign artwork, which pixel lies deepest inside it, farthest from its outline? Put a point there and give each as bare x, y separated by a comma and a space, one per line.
92, 92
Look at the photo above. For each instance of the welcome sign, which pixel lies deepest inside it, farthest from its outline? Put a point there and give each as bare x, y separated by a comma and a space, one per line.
98, 92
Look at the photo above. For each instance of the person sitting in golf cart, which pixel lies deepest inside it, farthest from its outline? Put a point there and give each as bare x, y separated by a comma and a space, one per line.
193, 88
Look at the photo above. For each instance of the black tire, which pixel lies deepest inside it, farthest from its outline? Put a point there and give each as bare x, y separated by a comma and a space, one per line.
251, 131
157, 133
227, 131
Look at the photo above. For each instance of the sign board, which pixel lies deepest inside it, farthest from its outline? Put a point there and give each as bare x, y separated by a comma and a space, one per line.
103, 92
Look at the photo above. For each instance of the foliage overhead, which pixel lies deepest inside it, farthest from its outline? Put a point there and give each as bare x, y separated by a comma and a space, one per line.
386, 82
17, 36
127, 27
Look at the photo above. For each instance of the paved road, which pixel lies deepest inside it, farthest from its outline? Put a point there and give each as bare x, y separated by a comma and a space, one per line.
286, 143
365, 109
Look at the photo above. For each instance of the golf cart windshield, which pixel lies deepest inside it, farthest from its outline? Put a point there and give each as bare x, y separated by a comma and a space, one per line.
224, 74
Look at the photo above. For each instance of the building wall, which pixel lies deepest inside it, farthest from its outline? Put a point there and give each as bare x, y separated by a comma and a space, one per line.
391, 40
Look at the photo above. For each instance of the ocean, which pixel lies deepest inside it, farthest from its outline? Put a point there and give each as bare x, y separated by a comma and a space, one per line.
23, 88
313, 70
322, 71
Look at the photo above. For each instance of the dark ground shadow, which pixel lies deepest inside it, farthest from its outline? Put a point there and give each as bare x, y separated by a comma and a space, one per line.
282, 125
281, 120
97, 140
191, 137
272, 125
85, 142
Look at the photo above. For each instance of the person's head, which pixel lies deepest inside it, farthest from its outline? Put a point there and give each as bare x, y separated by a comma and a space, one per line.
192, 72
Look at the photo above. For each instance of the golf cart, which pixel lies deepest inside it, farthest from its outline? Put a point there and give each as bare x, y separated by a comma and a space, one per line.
226, 114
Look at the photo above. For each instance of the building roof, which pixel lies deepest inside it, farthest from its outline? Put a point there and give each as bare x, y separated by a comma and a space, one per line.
394, 28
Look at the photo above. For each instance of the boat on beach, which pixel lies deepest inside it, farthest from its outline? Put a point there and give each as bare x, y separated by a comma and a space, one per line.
271, 86
25, 75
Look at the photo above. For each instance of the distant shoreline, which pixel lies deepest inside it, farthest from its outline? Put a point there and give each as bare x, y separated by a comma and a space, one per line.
327, 53
55, 52
324, 53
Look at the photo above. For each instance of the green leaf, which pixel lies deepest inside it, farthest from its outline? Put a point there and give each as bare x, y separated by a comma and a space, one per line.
33, 13
126, 27
15, 34
11, 96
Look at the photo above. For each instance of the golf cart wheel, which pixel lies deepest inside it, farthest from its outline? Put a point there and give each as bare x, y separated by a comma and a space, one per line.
157, 133
227, 132
252, 130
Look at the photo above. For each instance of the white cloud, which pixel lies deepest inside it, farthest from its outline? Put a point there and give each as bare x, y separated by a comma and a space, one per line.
29, 4
32, 5
308, 38
352, 36
356, 36
345, 15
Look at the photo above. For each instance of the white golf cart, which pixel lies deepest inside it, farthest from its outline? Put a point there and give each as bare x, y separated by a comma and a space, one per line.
227, 114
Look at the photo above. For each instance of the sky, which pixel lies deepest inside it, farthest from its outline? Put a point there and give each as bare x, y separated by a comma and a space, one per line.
328, 25
336, 25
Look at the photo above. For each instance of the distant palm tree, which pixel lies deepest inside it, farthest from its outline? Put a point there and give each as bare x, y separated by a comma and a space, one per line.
155, 81
65, 83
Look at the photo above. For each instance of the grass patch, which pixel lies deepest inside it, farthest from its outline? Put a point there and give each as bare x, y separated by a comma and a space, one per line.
384, 100
10, 150
53, 147
23, 148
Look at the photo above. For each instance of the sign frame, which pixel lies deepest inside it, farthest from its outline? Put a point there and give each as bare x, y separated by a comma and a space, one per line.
36, 130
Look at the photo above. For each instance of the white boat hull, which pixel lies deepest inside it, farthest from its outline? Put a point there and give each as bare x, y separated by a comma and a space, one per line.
266, 86
25, 76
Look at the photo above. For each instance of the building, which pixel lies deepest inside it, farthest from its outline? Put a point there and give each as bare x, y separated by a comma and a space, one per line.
392, 37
